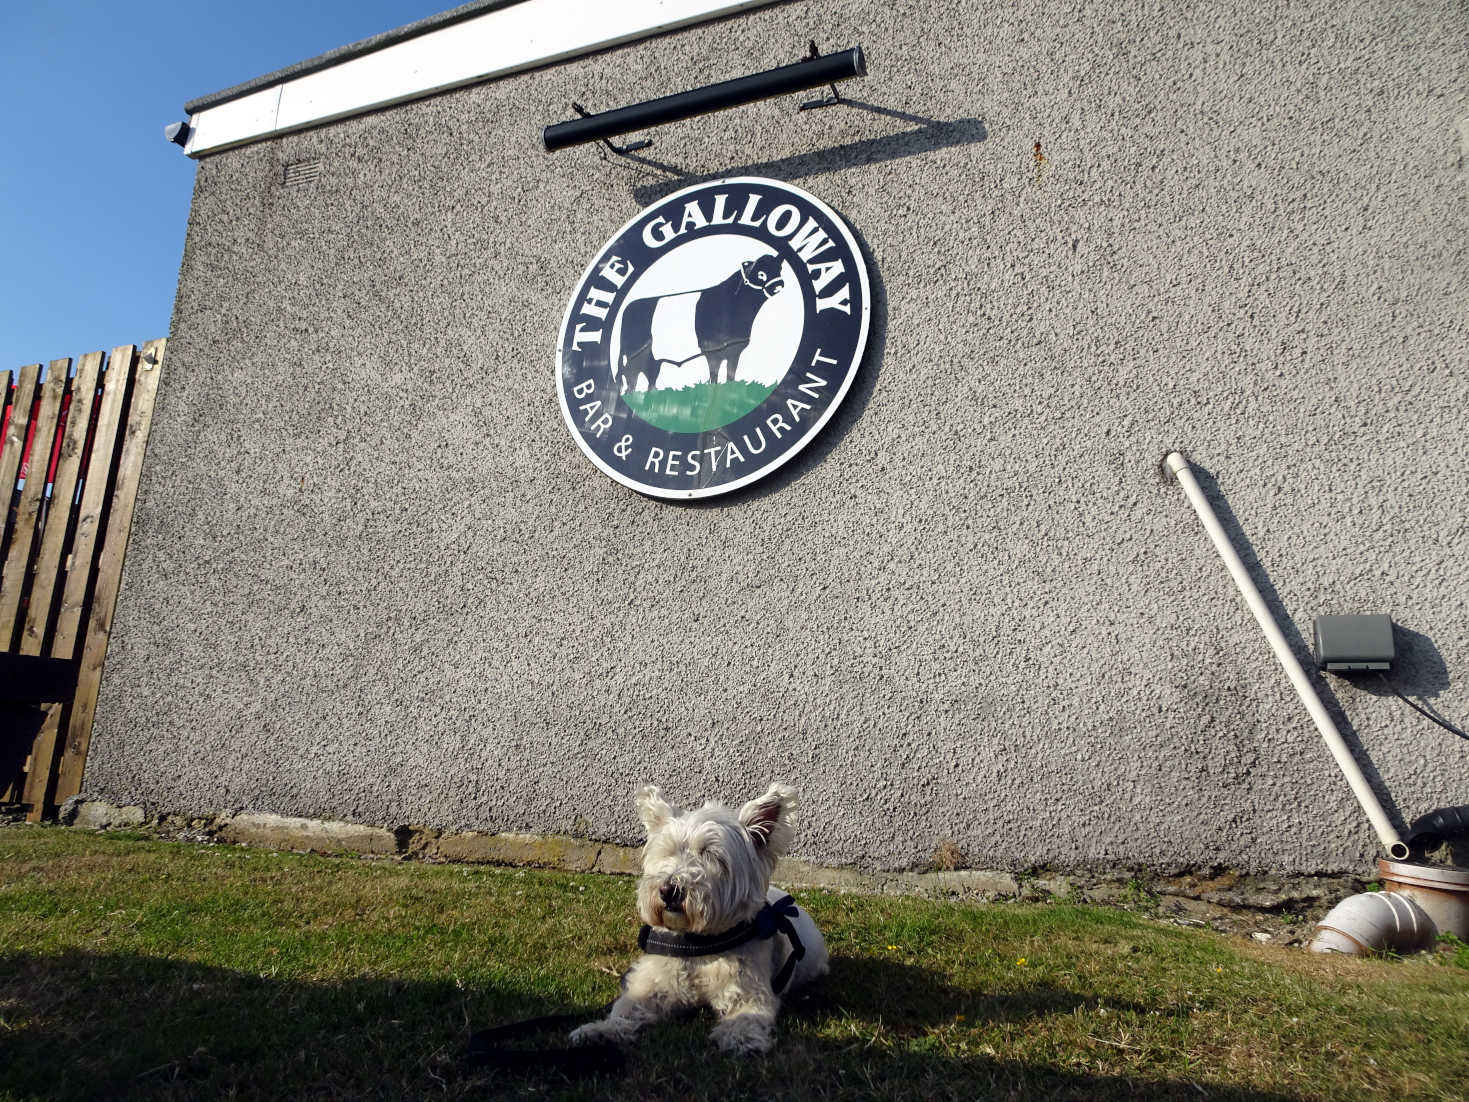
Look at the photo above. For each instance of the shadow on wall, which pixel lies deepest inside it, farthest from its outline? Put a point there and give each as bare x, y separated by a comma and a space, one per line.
211, 1032
1298, 644
930, 134
1418, 670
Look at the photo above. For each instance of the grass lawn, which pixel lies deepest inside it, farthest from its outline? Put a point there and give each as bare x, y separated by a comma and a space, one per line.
133, 968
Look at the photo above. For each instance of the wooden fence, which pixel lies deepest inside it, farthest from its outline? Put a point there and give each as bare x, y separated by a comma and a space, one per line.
73, 450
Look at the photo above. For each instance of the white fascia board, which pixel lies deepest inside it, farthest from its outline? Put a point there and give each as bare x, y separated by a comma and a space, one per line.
252, 114
506, 40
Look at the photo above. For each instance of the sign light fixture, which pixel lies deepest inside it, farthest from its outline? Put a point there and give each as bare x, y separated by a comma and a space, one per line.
813, 72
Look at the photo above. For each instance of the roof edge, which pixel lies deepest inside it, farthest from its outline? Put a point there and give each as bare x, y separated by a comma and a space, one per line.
348, 52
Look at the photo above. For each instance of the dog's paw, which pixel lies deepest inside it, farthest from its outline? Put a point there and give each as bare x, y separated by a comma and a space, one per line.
605, 1032
743, 1038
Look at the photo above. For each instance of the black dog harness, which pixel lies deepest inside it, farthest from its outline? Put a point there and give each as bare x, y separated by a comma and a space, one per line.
773, 918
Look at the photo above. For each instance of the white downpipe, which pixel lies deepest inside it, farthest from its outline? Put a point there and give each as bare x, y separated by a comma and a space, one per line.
1391, 840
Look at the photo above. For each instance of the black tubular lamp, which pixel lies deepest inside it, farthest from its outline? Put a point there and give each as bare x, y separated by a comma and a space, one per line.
810, 73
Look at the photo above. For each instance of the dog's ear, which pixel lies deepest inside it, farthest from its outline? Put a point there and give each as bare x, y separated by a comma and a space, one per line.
653, 809
768, 819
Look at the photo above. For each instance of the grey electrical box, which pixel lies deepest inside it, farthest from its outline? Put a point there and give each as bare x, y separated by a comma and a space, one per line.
1345, 644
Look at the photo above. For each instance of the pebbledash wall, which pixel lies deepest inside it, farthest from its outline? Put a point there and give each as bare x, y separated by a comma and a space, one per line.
373, 578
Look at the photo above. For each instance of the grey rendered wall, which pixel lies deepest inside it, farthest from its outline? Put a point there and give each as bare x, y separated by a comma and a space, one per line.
372, 577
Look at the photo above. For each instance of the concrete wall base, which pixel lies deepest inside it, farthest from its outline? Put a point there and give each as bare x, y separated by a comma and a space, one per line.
1269, 907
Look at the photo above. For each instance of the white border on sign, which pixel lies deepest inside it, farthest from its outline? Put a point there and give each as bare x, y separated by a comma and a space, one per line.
819, 424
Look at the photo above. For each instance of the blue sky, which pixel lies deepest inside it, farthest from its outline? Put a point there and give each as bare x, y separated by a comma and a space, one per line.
93, 200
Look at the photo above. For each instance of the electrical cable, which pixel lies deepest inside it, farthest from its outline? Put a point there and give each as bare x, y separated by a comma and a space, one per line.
1420, 711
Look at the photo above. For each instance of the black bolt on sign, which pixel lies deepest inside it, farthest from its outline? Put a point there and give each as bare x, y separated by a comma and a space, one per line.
712, 337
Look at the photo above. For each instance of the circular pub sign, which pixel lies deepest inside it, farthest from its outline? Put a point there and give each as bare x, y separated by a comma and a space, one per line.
713, 337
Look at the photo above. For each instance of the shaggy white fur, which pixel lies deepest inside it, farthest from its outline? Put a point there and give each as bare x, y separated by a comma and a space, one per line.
704, 872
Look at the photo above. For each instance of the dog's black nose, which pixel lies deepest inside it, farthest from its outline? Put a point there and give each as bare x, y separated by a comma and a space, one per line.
671, 893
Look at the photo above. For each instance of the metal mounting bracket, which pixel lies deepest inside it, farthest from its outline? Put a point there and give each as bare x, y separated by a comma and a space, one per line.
620, 150
825, 101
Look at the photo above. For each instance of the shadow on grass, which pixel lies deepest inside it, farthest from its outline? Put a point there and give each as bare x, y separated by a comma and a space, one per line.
84, 1025
89, 1026
873, 990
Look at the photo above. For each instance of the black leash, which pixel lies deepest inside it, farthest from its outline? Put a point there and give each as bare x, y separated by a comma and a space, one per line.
486, 1047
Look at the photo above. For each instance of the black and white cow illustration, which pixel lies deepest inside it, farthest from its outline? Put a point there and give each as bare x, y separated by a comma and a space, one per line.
655, 331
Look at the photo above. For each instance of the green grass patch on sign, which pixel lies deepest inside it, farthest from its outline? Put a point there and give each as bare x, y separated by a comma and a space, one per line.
699, 408
139, 969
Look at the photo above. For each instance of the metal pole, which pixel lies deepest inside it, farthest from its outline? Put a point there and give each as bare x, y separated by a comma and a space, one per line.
811, 73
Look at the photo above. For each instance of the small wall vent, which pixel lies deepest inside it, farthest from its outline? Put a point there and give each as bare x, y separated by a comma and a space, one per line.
301, 173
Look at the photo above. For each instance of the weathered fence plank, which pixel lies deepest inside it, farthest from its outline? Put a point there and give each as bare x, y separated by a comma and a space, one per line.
63, 565
13, 575
147, 369
41, 771
10, 455
51, 561
15, 431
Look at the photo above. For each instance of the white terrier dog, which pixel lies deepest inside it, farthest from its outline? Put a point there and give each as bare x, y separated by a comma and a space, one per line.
716, 933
